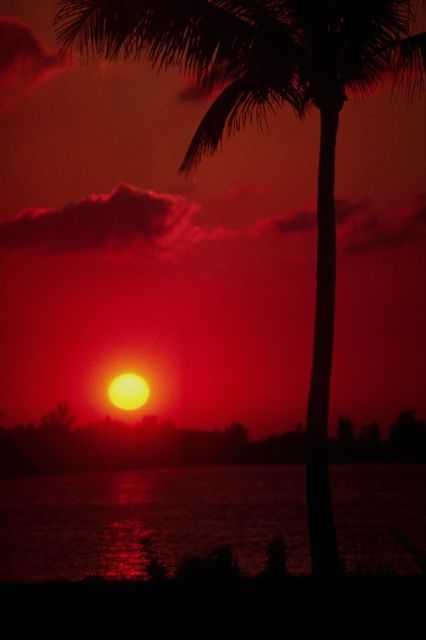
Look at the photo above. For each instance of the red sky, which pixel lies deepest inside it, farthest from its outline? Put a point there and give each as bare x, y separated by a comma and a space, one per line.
204, 284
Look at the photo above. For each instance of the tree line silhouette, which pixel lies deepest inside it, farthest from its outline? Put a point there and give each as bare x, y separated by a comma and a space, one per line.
56, 444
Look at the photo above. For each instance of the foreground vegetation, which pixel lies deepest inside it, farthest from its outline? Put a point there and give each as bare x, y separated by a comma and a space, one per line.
220, 569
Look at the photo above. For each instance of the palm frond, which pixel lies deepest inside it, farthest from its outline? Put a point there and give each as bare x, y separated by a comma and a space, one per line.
188, 33
229, 109
368, 32
344, 43
193, 34
408, 63
240, 103
264, 52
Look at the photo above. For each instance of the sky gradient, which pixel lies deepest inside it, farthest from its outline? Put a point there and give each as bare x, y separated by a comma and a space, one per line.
110, 260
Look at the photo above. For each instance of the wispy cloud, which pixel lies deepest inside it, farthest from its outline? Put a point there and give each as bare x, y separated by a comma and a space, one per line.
194, 93
378, 230
25, 62
205, 89
305, 220
363, 225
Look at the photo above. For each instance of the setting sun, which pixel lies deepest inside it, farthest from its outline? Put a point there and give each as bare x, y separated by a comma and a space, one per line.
129, 392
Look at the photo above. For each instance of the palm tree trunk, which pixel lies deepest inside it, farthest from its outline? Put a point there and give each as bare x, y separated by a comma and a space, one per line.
323, 543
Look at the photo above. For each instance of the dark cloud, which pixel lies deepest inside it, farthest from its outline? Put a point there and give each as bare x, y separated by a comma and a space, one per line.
206, 90
363, 226
24, 61
165, 222
295, 223
380, 231
302, 221
117, 220
194, 93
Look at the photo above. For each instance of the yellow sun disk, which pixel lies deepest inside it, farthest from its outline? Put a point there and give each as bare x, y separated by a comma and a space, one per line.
129, 392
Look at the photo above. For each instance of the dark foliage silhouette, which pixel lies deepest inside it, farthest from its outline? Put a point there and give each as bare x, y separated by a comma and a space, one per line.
156, 570
54, 446
370, 434
217, 566
220, 569
417, 554
345, 432
264, 55
276, 561
406, 430
59, 420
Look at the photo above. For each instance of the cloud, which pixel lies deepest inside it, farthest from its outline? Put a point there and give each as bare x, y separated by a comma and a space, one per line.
193, 93
380, 231
24, 61
363, 226
205, 90
117, 220
305, 220
132, 217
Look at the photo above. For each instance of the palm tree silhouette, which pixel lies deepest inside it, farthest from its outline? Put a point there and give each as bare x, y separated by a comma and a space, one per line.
263, 54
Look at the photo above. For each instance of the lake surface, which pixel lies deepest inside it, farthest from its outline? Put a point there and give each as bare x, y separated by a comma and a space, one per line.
105, 524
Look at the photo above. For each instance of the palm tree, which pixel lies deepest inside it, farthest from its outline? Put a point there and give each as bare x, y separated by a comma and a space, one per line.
264, 54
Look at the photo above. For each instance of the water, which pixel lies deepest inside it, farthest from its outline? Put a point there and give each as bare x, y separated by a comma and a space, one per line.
105, 524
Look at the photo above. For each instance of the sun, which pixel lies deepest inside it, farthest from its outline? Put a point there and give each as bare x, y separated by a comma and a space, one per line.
129, 392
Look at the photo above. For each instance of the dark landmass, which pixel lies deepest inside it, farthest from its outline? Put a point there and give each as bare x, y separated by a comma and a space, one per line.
55, 445
219, 570
220, 566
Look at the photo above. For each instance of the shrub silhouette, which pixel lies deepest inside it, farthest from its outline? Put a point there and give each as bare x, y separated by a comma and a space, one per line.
218, 565
413, 550
276, 560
